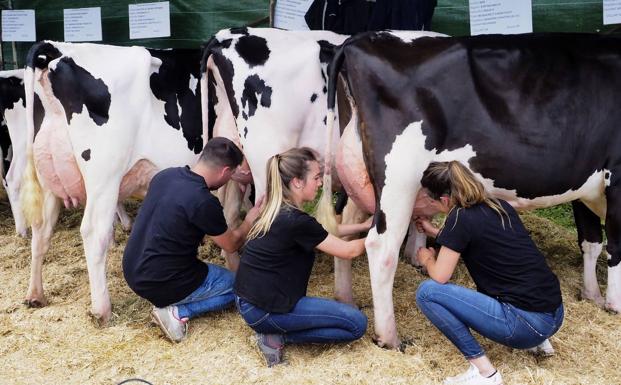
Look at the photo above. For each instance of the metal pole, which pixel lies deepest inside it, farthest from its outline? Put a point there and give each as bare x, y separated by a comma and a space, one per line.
13, 43
272, 8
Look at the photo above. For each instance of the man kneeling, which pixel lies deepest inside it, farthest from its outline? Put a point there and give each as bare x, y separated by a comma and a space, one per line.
160, 261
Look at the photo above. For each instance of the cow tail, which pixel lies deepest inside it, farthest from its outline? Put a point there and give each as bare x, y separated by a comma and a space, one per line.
325, 213
205, 106
31, 194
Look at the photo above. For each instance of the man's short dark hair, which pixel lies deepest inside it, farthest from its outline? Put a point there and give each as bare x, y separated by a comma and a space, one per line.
221, 152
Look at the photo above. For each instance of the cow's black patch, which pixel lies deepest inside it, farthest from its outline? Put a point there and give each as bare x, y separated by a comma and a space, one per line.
40, 55
326, 51
5, 143
245, 132
226, 69
380, 222
325, 90
313, 98
39, 114
253, 49
86, 155
11, 92
325, 120
244, 115
76, 88
212, 100
253, 87
239, 31
171, 84
226, 43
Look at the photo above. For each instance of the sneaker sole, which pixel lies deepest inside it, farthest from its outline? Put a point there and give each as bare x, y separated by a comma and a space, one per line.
156, 319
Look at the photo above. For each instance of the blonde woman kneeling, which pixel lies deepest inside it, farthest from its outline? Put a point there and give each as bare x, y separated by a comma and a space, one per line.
276, 264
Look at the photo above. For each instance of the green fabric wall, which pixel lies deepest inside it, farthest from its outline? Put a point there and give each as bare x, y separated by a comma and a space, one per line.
192, 22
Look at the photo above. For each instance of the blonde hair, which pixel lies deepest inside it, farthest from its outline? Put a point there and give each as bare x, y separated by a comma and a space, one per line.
455, 180
281, 169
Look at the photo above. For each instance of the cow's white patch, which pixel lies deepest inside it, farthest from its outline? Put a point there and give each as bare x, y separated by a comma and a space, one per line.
409, 36
613, 291
193, 83
590, 290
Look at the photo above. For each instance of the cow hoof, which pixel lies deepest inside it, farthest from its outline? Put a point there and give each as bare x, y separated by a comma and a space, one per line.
349, 301
612, 309
99, 320
35, 303
595, 298
396, 345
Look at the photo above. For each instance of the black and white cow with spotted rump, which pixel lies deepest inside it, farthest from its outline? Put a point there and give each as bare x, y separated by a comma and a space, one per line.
113, 117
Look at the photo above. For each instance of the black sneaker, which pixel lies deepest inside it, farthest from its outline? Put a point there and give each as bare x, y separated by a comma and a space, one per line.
271, 346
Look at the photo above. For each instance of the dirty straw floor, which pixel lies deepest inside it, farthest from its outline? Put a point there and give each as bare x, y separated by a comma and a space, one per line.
60, 345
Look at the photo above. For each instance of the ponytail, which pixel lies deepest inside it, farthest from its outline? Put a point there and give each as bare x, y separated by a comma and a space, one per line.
281, 169
465, 190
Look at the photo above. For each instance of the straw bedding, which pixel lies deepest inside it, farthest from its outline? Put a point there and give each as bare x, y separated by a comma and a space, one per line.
59, 344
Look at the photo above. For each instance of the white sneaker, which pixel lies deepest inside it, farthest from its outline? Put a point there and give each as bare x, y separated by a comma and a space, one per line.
174, 328
473, 377
544, 349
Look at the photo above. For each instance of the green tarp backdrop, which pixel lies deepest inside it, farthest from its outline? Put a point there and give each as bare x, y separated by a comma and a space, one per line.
192, 22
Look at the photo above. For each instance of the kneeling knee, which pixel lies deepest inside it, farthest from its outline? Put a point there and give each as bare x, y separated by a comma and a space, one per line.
425, 289
361, 323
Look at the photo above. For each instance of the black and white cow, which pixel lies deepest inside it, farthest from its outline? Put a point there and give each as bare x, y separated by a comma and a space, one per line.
265, 89
535, 117
113, 117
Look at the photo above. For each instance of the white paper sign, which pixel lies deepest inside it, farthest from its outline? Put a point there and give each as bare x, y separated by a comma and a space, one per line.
18, 25
612, 12
83, 24
289, 14
500, 16
149, 20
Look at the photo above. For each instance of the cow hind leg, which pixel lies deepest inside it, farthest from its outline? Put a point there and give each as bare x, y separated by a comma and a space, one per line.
613, 246
342, 268
40, 244
96, 230
590, 241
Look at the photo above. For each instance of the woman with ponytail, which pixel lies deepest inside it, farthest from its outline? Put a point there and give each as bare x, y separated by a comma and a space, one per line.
518, 298
277, 260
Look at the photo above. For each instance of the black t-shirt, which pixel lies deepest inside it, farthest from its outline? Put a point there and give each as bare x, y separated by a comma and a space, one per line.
160, 260
503, 262
275, 268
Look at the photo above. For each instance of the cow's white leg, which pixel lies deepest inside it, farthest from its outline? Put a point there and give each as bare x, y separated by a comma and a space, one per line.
96, 230
126, 221
590, 289
342, 268
392, 217
415, 241
12, 186
613, 291
40, 244
613, 244
590, 239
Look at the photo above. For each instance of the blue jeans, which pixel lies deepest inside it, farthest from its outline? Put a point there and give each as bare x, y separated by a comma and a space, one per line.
312, 319
215, 293
455, 310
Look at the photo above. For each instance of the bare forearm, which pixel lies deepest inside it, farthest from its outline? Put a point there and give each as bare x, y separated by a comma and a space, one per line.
352, 228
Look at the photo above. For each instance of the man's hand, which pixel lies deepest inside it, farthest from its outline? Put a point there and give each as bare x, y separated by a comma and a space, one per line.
253, 213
